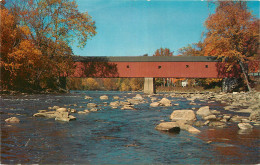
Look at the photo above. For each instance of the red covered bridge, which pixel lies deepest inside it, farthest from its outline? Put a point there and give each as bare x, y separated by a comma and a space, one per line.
150, 67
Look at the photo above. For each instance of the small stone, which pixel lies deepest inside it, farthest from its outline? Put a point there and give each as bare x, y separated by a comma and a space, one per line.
88, 97
12, 120
73, 111
87, 111
42, 111
91, 105
82, 112
94, 110
154, 104
210, 117
61, 110
116, 97
168, 126
55, 107
217, 124
104, 97
204, 111
165, 102
245, 126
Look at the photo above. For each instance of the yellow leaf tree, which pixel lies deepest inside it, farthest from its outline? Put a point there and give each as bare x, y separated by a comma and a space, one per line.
233, 35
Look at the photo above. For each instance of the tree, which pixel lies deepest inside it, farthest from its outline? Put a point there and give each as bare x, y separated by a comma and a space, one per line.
196, 49
162, 52
20, 59
232, 35
91, 84
52, 26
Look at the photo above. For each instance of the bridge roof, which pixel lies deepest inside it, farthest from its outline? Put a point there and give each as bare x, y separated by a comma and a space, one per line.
145, 59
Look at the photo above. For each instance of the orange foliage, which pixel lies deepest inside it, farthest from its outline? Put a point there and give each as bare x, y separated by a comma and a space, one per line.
232, 33
163, 52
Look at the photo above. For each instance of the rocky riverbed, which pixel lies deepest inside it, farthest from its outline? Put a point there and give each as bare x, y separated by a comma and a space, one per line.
130, 119
246, 104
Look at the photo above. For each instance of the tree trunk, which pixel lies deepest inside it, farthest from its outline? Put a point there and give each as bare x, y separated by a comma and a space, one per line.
245, 76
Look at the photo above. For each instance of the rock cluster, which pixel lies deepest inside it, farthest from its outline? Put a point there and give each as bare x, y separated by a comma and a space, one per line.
163, 102
60, 114
236, 102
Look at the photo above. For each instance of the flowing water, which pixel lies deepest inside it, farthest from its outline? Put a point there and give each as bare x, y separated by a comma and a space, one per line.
115, 136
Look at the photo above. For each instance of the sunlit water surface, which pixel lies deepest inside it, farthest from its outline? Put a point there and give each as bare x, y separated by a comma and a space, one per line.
115, 136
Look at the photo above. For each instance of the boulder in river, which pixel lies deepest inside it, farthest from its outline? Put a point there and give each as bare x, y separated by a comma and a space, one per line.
255, 115
104, 97
165, 102
88, 97
138, 97
62, 110
204, 111
184, 125
168, 126
12, 120
155, 104
186, 115
91, 105
116, 97
245, 126
64, 116
114, 104
217, 124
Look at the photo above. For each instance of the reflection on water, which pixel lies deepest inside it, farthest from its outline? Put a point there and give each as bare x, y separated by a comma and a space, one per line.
233, 145
114, 136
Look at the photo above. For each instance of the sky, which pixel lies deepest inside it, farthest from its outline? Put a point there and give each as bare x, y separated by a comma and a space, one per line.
138, 27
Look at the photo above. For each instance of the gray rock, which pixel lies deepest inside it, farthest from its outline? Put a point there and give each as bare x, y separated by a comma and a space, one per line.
42, 111
82, 112
93, 110
128, 107
210, 117
183, 115
165, 102
91, 105
114, 104
217, 124
255, 115
104, 97
245, 126
138, 97
168, 126
88, 97
116, 97
73, 111
62, 110
204, 111
154, 104
185, 126
12, 120
64, 116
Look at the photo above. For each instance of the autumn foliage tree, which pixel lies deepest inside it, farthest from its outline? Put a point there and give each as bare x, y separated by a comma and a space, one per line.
233, 35
20, 59
41, 34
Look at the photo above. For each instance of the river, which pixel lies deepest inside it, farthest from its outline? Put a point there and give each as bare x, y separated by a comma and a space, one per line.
115, 136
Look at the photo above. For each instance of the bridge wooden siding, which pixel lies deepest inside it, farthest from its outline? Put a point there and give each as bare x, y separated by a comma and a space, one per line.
149, 66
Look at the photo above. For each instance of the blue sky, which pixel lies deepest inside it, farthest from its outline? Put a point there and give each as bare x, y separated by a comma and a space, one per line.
138, 27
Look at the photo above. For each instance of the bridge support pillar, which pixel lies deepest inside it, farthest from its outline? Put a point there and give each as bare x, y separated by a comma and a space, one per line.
149, 85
